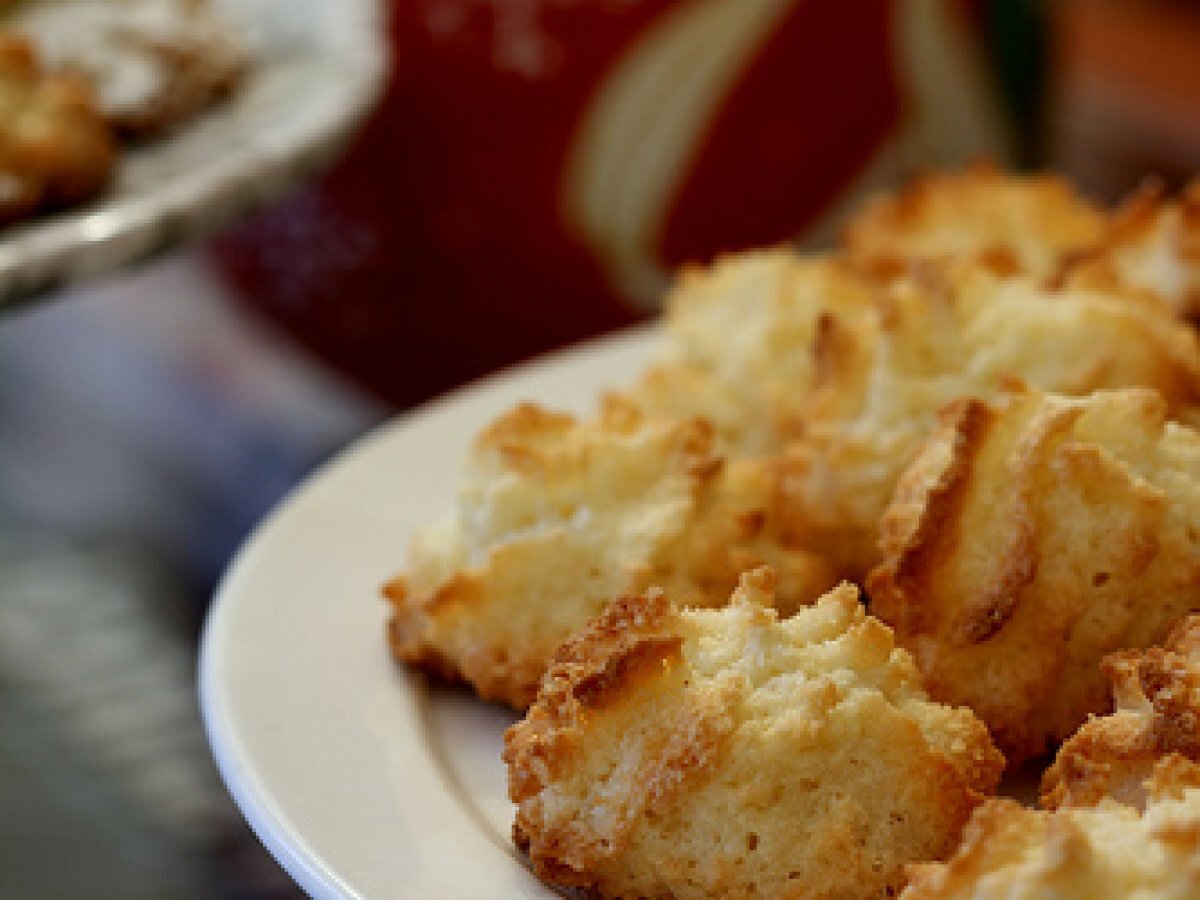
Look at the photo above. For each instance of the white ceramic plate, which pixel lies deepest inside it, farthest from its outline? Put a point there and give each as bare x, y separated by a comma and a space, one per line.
317, 68
361, 778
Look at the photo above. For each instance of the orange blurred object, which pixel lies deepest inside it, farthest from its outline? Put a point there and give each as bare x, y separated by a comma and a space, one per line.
1126, 95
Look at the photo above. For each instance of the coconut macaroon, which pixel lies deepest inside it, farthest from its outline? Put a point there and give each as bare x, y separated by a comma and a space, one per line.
1030, 538
949, 332
556, 516
1111, 850
1038, 225
744, 342
725, 753
846, 372
55, 148
1156, 722
754, 340
1152, 244
154, 64
1009, 223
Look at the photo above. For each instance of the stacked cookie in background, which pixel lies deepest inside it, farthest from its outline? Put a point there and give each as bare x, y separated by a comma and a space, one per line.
977, 408
80, 79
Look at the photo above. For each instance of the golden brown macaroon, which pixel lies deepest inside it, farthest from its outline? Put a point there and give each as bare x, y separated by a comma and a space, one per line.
847, 372
1111, 851
725, 753
1152, 245
949, 332
1030, 538
1038, 225
1005, 222
556, 516
55, 148
743, 342
154, 64
1157, 719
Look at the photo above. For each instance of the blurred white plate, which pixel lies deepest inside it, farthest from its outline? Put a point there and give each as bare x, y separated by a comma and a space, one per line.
317, 68
362, 779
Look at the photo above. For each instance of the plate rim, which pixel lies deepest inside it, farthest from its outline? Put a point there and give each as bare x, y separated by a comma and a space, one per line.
46, 255
241, 775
